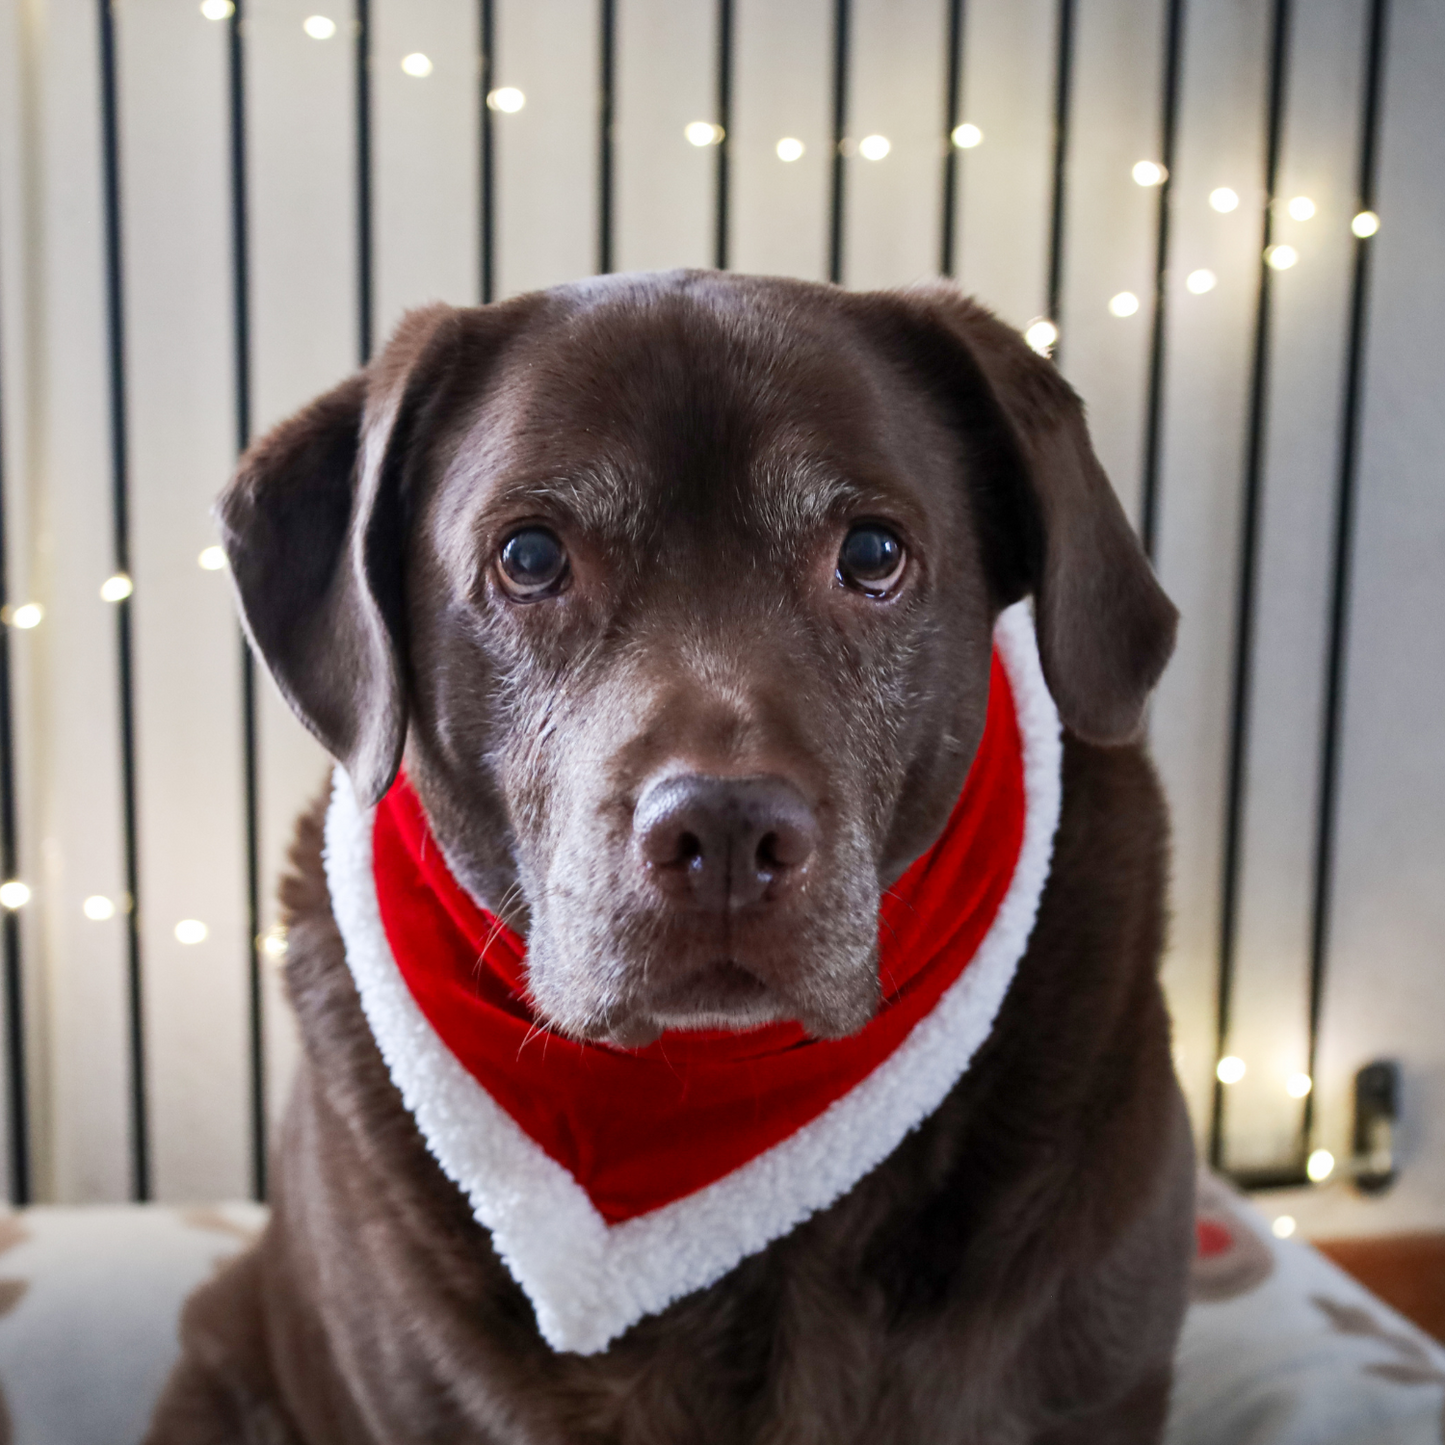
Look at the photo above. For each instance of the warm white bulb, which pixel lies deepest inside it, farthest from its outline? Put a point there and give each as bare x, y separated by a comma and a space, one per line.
417, 64
1149, 173
1201, 281
790, 148
1319, 1166
1281, 258
1301, 208
116, 588
1298, 1085
1230, 1069
1041, 335
508, 99
1126, 303
1283, 1226
319, 27
98, 907
217, 9
1365, 224
273, 942
966, 136
27, 615
191, 930
703, 133
1224, 199
212, 559
874, 147
14, 894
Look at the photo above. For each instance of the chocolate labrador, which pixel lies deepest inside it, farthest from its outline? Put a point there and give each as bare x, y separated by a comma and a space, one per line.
674, 595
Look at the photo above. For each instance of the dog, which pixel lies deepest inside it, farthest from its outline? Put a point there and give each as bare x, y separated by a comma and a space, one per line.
678, 598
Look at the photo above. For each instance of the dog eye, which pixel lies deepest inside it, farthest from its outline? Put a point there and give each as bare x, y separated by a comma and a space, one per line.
871, 559
532, 563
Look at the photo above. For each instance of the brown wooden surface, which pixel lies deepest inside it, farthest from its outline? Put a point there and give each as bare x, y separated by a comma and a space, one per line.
1405, 1270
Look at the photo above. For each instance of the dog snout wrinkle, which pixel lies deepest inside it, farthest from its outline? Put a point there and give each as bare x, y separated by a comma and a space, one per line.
721, 843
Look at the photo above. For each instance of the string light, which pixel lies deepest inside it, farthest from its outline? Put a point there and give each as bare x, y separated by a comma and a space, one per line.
703, 133
319, 27
14, 894
1149, 173
27, 615
508, 100
1366, 223
417, 64
116, 588
1200, 281
98, 908
790, 148
1230, 1069
217, 9
273, 942
1298, 1085
1320, 1165
966, 136
1301, 208
1126, 303
191, 930
1281, 258
874, 147
1283, 1226
1223, 199
212, 559
1041, 335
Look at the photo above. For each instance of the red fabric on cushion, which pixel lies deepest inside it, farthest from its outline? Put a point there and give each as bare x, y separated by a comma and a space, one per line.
640, 1128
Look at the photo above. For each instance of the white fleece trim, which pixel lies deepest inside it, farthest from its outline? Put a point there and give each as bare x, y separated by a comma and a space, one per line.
588, 1281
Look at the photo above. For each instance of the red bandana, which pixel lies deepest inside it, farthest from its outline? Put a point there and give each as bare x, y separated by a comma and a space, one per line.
639, 1129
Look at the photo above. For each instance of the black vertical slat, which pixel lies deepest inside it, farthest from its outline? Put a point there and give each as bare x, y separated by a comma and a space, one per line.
952, 116
241, 363
1063, 107
1343, 550
487, 27
1154, 414
1248, 575
120, 518
725, 122
606, 109
842, 15
364, 266
17, 1081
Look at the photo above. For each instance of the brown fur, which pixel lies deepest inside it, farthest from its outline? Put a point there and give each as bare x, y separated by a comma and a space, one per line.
1014, 1272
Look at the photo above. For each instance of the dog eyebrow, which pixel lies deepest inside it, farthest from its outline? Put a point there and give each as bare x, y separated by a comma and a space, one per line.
597, 497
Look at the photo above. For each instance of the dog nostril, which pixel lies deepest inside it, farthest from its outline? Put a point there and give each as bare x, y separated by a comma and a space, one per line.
689, 848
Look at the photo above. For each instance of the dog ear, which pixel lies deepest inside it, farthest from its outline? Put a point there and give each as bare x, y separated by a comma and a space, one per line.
1052, 522
314, 525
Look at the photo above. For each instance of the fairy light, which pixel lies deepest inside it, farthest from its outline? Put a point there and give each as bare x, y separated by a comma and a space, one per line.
1320, 1165
790, 148
14, 894
1366, 223
319, 27
1223, 199
703, 133
966, 136
509, 100
874, 147
1126, 303
1301, 208
1200, 281
273, 942
27, 615
116, 588
98, 908
1041, 334
217, 9
1283, 1226
1298, 1085
1281, 258
212, 559
417, 64
191, 930
1149, 173
1230, 1069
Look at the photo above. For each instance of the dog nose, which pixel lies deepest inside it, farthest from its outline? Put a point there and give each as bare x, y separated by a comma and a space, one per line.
724, 842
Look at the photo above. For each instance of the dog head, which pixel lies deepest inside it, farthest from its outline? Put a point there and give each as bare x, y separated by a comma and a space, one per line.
677, 594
